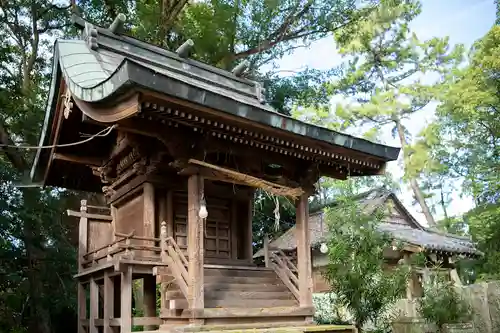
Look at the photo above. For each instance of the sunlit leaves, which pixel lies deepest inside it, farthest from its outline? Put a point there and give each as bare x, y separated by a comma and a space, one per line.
356, 266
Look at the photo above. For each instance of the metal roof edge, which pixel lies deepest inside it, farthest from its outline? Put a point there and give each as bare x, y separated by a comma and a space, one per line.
49, 115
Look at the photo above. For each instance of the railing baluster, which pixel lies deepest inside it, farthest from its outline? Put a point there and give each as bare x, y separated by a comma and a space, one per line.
285, 269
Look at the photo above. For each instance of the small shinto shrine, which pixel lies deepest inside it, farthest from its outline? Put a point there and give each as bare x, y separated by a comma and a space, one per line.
177, 148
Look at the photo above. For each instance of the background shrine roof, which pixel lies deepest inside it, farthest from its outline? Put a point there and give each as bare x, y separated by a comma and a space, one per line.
408, 231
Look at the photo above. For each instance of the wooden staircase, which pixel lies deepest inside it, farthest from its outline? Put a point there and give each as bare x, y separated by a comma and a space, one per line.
238, 287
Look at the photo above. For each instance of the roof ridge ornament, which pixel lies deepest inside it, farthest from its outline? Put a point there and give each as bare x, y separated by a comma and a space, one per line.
90, 36
239, 69
117, 25
183, 50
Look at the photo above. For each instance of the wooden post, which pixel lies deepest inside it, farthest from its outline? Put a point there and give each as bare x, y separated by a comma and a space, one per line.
126, 301
266, 250
149, 285
82, 249
94, 306
195, 244
82, 234
109, 289
409, 286
170, 213
82, 307
249, 231
304, 252
234, 229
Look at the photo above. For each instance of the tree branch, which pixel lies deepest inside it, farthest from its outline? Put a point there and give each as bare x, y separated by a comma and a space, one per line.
13, 155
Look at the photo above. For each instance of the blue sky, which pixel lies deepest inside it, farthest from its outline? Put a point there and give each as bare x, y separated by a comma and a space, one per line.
464, 21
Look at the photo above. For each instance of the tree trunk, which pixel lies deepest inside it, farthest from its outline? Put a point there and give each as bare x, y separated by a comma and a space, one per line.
443, 204
417, 191
39, 321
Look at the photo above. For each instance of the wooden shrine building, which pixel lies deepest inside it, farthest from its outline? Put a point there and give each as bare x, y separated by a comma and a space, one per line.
178, 147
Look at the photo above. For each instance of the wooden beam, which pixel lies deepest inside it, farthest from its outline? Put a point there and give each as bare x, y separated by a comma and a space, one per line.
304, 251
82, 214
248, 180
119, 110
195, 245
78, 159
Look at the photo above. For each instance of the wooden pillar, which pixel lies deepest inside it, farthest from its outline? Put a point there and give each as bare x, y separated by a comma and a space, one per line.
249, 231
149, 299
234, 229
94, 306
304, 252
82, 307
170, 213
109, 290
126, 301
409, 286
82, 234
195, 244
266, 250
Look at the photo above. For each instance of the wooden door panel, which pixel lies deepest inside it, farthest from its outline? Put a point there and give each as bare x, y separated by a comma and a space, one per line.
217, 226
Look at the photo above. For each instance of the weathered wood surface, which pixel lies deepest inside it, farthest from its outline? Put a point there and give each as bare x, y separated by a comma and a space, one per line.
304, 252
195, 244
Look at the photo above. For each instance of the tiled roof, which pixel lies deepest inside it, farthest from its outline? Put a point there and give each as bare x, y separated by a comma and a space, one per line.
410, 231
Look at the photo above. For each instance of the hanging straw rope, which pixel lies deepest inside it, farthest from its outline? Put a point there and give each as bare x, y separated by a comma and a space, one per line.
274, 188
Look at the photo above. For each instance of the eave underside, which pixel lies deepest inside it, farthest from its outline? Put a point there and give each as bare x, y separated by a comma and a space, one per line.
184, 130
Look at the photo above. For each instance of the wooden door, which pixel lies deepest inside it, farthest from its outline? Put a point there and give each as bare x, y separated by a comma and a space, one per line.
217, 226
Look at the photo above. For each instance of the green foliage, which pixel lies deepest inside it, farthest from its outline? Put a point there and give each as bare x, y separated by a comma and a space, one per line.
37, 243
327, 311
464, 141
484, 224
382, 81
356, 262
466, 134
442, 303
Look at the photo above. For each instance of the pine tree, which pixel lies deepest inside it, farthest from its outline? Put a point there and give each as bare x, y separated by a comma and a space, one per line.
386, 80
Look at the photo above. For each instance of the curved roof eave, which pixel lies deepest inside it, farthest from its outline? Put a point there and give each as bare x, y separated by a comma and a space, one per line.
130, 72
49, 115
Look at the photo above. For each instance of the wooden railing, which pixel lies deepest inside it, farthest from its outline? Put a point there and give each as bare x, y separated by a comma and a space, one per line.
122, 243
177, 262
283, 266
